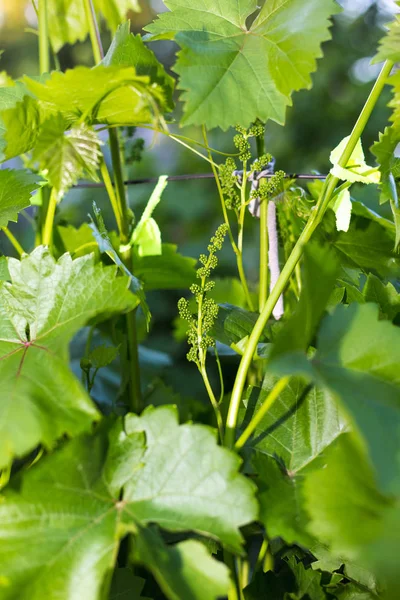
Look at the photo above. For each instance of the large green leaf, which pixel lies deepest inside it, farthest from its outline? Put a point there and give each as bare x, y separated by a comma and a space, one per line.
73, 498
128, 50
357, 358
345, 508
41, 309
286, 445
111, 95
65, 156
260, 65
59, 531
194, 485
16, 188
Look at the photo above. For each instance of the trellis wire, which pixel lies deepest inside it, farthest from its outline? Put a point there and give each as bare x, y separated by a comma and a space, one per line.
193, 176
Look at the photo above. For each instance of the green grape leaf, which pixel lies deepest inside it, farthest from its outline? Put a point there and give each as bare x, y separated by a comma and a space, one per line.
110, 95
115, 11
293, 581
126, 586
87, 474
386, 296
19, 121
68, 26
102, 356
147, 235
387, 152
233, 324
319, 276
77, 241
357, 358
168, 271
67, 155
389, 46
345, 508
16, 188
185, 570
105, 246
178, 489
388, 157
342, 207
285, 446
45, 304
65, 499
260, 65
128, 50
356, 168
367, 245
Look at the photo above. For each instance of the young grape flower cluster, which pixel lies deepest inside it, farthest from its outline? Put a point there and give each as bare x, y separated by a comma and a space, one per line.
202, 322
268, 188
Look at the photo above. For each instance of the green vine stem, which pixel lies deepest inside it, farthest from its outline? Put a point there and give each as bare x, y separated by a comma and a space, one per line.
49, 220
287, 271
263, 279
121, 211
44, 56
17, 246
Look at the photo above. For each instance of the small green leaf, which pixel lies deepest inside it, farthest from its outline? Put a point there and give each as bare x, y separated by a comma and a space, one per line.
146, 235
233, 324
260, 65
128, 50
167, 271
195, 485
102, 356
387, 155
126, 586
389, 46
66, 155
115, 11
19, 121
185, 570
45, 304
342, 207
16, 188
386, 296
105, 246
356, 169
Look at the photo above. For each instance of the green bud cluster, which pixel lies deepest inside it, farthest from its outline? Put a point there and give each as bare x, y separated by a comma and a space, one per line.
262, 162
242, 144
201, 323
269, 188
229, 184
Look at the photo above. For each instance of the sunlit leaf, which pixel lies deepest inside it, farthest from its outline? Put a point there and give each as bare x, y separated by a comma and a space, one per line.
259, 65
67, 155
16, 188
41, 309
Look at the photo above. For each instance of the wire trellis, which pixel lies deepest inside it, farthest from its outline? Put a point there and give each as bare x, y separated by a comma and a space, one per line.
193, 176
